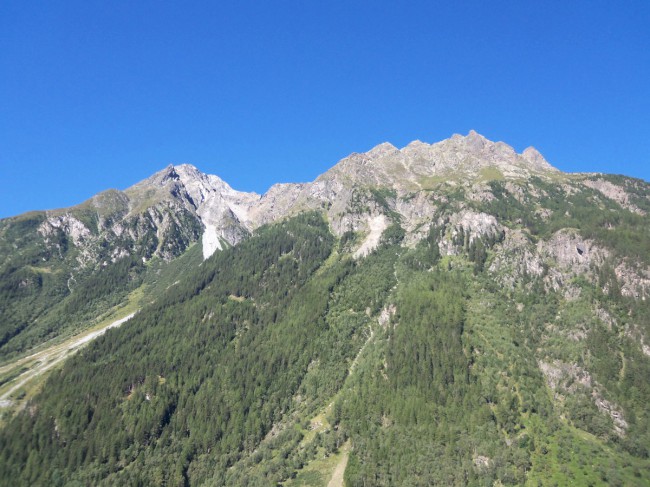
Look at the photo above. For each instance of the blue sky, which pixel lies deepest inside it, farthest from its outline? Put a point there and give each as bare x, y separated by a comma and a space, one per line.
97, 95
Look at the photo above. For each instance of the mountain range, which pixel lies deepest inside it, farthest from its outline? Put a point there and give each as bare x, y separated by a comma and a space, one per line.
453, 313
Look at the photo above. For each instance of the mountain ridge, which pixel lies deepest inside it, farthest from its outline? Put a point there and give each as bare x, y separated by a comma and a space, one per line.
452, 314
161, 216
228, 215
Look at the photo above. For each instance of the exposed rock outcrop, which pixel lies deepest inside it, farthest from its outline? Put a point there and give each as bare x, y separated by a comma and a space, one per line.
613, 192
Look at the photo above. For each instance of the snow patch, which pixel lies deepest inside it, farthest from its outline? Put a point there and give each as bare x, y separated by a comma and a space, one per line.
377, 226
210, 241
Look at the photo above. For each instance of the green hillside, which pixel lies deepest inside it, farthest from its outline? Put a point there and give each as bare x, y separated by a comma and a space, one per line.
280, 353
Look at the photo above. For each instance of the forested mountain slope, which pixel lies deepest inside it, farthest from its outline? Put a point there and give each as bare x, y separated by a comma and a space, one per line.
451, 314
64, 268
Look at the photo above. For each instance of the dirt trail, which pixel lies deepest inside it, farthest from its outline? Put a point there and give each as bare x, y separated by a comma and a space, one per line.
48, 358
337, 477
339, 471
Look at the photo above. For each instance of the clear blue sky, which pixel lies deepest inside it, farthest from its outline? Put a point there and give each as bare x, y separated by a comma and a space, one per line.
97, 94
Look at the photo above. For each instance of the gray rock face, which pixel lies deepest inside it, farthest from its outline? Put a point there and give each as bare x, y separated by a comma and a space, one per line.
345, 192
180, 204
563, 379
219, 209
473, 225
409, 179
613, 192
414, 166
160, 216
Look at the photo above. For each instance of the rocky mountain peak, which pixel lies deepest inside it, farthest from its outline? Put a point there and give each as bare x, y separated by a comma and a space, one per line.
474, 144
382, 150
475, 141
219, 209
181, 196
201, 185
169, 174
472, 137
415, 145
533, 156
461, 157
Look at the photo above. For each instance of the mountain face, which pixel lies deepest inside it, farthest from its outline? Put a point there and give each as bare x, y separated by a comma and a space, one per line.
453, 314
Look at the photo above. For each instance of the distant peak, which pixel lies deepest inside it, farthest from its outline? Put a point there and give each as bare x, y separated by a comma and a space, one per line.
187, 166
531, 152
475, 141
188, 170
180, 172
170, 173
381, 149
534, 157
472, 138
416, 144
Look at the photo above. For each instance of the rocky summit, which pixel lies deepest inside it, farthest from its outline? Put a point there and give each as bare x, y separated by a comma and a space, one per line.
453, 313
183, 198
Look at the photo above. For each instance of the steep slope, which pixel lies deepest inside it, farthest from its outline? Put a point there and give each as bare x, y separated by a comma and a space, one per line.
386, 179
54, 259
222, 211
453, 314
64, 268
